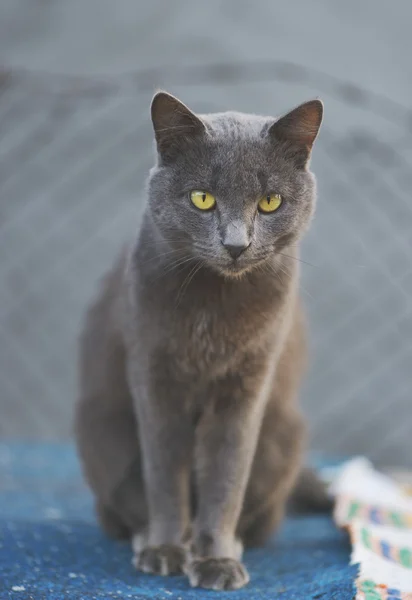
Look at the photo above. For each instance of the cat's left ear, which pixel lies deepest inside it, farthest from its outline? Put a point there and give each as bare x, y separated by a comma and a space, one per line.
300, 128
174, 124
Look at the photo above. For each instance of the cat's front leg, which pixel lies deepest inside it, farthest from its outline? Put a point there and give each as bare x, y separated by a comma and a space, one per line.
166, 437
225, 445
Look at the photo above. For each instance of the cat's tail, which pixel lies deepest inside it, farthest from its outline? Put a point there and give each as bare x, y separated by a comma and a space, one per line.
310, 494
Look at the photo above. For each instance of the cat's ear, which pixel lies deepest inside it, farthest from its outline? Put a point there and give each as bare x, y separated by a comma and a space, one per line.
300, 128
174, 123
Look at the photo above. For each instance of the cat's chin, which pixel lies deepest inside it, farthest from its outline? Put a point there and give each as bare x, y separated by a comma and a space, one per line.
234, 271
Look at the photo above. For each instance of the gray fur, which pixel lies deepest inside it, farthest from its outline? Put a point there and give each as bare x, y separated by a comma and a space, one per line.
190, 360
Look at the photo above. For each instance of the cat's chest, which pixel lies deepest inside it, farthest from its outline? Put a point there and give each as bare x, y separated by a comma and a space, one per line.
207, 342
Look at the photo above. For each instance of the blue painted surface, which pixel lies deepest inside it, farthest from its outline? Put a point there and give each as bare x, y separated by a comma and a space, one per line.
51, 546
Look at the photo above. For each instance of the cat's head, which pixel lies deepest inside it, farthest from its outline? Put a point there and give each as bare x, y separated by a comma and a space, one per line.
230, 189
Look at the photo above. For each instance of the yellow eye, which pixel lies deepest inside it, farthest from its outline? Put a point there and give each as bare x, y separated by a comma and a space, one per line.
202, 200
270, 203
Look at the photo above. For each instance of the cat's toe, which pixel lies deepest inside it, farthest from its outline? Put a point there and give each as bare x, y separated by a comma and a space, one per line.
161, 560
217, 574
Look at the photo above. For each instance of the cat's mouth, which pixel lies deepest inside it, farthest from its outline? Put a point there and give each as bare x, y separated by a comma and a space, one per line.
232, 267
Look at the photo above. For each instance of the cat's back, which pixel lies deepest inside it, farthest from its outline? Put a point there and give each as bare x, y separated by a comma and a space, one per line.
101, 328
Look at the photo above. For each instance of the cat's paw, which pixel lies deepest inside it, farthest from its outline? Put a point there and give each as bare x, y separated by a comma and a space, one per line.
217, 574
161, 560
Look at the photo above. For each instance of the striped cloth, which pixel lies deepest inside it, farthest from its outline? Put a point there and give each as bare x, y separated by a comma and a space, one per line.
377, 512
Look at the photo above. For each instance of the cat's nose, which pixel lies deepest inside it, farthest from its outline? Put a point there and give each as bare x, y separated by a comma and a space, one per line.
235, 238
235, 250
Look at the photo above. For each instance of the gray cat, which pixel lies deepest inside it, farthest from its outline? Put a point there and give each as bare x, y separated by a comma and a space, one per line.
191, 358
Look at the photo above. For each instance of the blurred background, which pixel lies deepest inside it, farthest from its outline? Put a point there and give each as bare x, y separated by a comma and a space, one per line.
76, 80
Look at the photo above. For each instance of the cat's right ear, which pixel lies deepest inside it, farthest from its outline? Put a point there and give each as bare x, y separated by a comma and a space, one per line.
174, 124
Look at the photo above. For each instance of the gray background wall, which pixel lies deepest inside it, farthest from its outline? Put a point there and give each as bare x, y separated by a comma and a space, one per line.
76, 145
